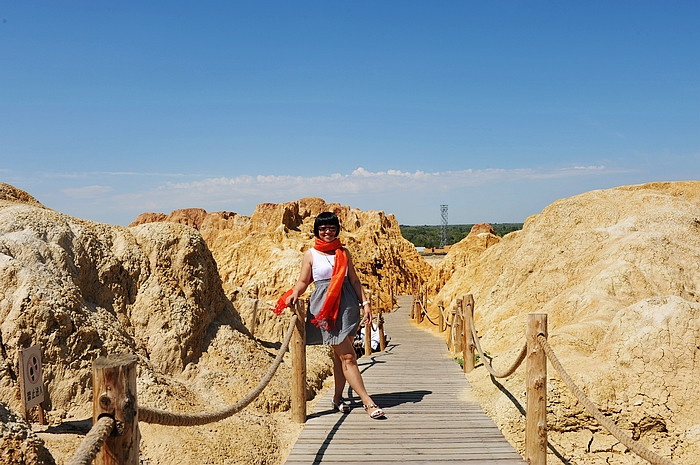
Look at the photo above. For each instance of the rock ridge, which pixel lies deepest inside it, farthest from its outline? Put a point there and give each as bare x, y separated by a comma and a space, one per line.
82, 289
617, 272
259, 257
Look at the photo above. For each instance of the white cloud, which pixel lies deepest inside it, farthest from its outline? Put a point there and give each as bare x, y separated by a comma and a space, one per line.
87, 191
281, 188
108, 174
410, 195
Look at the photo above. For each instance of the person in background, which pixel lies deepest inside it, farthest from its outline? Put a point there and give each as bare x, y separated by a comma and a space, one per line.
374, 340
334, 308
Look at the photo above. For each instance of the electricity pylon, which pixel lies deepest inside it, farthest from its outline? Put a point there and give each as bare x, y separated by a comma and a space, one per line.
443, 231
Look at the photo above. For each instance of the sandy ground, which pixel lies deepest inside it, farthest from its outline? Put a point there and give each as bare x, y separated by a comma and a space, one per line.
239, 439
434, 260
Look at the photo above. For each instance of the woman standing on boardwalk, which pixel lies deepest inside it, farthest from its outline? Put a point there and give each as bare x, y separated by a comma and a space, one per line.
334, 308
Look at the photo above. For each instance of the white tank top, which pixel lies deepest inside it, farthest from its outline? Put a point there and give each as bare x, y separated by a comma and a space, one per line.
322, 265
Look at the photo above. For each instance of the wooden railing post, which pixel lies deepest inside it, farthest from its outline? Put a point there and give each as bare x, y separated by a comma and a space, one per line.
468, 340
536, 389
114, 395
457, 327
416, 311
413, 305
368, 338
380, 328
298, 350
450, 334
441, 317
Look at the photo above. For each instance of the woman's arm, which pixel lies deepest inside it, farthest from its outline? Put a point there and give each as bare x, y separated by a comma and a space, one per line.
357, 285
305, 278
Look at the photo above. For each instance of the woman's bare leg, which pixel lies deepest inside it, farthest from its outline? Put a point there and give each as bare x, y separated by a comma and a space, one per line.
346, 354
339, 378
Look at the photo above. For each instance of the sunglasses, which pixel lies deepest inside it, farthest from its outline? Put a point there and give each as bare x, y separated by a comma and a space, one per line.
327, 228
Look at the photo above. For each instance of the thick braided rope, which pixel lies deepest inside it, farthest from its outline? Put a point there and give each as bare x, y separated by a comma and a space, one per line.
425, 312
621, 436
161, 417
92, 442
487, 364
444, 316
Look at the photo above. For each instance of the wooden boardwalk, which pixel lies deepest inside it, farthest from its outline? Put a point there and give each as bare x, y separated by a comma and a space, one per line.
423, 392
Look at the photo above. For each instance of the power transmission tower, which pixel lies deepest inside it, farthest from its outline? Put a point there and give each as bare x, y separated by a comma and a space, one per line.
443, 231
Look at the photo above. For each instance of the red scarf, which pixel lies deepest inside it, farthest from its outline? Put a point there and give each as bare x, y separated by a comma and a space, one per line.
329, 311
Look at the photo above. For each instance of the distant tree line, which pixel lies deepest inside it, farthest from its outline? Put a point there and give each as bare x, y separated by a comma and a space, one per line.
429, 235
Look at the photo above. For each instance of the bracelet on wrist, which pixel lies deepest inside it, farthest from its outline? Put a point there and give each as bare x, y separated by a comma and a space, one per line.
366, 302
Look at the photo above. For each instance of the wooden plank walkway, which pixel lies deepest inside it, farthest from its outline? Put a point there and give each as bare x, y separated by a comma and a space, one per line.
423, 392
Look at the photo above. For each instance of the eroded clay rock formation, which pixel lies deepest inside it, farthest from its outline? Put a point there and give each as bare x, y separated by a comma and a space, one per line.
18, 444
460, 256
82, 289
259, 257
618, 273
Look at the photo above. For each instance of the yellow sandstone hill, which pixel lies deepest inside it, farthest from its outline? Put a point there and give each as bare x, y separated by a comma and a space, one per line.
83, 289
259, 257
617, 272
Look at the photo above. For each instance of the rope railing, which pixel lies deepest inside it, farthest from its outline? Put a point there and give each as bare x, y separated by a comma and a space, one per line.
441, 309
419, 310
487, 364
161, 417
92, 442
541, 341
115, 433
615, 430
425, 312
105, 426
455, 330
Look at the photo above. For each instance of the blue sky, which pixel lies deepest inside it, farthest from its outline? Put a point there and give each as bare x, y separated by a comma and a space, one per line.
497, 109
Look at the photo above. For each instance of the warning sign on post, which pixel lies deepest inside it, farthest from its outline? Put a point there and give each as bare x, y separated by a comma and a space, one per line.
32, 384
